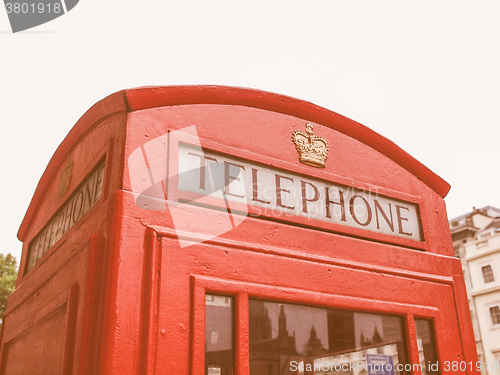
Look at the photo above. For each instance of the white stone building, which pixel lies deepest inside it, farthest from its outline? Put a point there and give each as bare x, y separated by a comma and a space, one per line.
476, 239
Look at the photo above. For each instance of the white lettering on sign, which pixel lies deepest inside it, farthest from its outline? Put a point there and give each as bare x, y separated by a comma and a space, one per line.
272, 190
80, 202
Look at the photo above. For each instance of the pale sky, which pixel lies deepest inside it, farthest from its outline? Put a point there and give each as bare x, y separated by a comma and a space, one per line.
424, 74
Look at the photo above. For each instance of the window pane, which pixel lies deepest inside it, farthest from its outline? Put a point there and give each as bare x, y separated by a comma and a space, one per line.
426, 347
293, 339
496, 355
488, 274
495, 314
218, 335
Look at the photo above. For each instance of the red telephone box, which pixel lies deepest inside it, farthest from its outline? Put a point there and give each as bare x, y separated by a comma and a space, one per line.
217, 230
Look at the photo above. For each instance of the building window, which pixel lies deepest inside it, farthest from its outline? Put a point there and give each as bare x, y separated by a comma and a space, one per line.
486, 234
487, 274
495, 314
482, 244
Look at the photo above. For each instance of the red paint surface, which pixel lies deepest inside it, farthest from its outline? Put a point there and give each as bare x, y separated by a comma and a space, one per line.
132, 299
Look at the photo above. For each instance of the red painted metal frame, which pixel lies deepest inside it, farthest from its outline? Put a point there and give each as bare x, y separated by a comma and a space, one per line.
242, 291
69, 303
70, 339
300, 255
150, 308
411, 337
93, 300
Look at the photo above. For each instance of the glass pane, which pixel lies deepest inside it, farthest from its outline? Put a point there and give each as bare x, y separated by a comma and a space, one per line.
426, 347
488, 274
495, 314
218, 335
290, 339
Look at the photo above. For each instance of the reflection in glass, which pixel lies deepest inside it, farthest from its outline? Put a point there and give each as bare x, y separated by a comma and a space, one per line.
290, 339
218, 335
426, 348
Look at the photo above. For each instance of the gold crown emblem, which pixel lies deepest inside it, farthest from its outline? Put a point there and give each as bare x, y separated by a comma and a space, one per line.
313, 150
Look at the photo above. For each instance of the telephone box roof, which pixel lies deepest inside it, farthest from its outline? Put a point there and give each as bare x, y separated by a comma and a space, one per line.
136, 99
